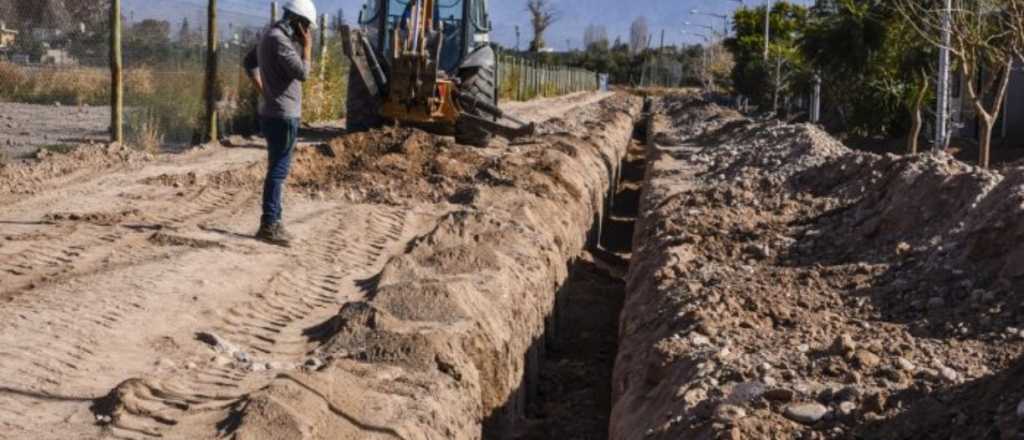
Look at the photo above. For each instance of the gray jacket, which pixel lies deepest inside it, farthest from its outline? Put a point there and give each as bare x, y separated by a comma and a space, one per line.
279, 64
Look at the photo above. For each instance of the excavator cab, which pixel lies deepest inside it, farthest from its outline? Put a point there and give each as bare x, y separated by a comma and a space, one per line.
427, 63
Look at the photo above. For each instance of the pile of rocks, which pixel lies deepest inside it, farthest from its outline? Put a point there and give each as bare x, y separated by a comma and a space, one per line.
785, 286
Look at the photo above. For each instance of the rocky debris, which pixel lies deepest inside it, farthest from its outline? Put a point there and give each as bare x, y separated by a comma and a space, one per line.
825, 274
807, 413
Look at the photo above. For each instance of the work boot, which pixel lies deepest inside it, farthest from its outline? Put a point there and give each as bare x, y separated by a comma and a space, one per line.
274, 234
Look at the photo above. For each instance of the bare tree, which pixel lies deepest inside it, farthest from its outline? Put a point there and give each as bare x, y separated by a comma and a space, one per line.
542, 15
717, 66
639, 35
595, 35
986, 37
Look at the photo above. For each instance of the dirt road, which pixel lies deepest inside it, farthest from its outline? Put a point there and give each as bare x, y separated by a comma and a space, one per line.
24, 128
135, 303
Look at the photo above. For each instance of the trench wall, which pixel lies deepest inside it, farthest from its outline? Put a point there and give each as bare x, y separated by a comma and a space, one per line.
447, 342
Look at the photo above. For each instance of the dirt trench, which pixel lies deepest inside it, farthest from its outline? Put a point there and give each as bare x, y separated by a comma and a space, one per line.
569, 396
414, 305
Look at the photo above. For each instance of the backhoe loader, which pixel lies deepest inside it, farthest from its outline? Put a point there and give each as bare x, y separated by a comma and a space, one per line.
426, 63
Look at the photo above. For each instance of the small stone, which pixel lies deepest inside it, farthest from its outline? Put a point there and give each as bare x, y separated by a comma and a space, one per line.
949, 374
844, 344
806, 413
780, 395
875, 402
243, 357
745, 392
699, 339
803, 348
847, 408
313, 363
726, 413
694, 396
847, 394
903, 248
221, 361
866, 359
191, 366
760, 251
905, 365
936, 302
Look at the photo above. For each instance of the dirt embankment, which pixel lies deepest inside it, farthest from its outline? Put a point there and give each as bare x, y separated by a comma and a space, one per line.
441, 344
414, 303
784, 286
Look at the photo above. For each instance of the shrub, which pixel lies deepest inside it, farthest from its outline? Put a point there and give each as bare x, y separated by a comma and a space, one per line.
325, 100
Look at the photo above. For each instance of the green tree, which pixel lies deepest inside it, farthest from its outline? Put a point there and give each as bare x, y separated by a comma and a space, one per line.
760, 79
871, 63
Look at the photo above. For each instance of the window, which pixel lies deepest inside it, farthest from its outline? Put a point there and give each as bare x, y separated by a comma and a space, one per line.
369, 13
479, 14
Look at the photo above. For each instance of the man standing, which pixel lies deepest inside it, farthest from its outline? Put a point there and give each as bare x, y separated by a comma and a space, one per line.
278, 68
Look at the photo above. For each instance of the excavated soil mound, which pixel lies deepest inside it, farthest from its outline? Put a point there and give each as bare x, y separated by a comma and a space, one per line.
784, 286
441, 345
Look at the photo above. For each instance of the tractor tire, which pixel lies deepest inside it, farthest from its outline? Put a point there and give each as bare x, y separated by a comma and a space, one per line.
481, 83
362, 110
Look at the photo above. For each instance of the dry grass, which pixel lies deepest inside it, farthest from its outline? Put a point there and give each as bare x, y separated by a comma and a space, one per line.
325, 100
146, 134
68, 86
167, 106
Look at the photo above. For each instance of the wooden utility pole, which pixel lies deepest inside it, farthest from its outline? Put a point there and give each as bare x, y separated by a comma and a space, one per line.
116, 75
322, 59
273, 12
212, 42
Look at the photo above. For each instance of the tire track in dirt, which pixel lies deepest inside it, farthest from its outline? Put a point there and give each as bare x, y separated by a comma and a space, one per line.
270, 329
275, 332
83, 247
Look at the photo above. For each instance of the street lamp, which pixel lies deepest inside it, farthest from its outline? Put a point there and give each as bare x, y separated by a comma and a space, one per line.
725, 18
710, 28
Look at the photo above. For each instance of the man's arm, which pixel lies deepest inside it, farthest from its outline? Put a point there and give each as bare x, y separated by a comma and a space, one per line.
295, 65
251, 65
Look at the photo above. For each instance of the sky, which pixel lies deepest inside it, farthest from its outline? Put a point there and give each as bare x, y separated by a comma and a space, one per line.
567, 32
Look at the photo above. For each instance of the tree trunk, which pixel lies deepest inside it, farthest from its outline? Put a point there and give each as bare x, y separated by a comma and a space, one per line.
116, 75
985, 143
915, 131
211, 97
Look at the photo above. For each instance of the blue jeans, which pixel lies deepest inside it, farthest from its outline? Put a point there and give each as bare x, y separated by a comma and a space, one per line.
281, 135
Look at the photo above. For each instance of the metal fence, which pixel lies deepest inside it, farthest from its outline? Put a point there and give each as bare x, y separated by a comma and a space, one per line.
521, 79
62, 56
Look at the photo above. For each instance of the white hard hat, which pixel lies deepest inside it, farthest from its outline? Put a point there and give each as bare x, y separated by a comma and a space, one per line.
303, 8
